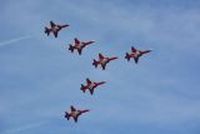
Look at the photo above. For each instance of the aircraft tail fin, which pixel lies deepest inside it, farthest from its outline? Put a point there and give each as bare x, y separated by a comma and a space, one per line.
71, 48
67, 115
95, 63
83, 88
47, 31
127, 57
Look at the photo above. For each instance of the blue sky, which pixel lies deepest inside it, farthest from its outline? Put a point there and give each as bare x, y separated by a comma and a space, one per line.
39, 79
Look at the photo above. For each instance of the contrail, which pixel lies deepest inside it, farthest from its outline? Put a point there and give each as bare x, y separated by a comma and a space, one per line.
23, 128
14, 40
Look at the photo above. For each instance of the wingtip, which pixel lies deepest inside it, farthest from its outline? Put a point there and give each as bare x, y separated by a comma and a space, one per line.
132, 47
71, 106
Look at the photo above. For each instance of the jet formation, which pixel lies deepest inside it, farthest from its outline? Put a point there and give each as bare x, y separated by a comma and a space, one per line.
101, 61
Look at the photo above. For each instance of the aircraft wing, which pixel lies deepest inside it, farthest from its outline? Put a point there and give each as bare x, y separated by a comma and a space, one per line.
72, 108
101, 56
91, 91
55, 34
76, 119
133, 49
52, 24
77, 41
136, 59
79, 51
88, 81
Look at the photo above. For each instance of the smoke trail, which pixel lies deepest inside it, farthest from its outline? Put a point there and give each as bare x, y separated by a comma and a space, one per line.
14, 40
23, 128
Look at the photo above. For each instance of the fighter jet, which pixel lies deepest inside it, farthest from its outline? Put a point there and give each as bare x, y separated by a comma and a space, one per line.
103, 60
136, 54
75, 113
91, 85
79, 45
54, 28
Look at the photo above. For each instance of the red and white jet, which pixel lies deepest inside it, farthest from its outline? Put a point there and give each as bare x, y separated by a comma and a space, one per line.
103, 61
136, 54
54, 28
91, 85
75, 113
79, 45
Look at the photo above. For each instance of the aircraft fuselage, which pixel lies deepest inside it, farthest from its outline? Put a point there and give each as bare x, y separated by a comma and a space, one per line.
55, 29
79, 46
135, 54
74, 113
104, 61
91, 86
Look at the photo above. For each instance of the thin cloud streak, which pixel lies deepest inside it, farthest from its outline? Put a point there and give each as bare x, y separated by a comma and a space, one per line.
11, 41
24, 128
